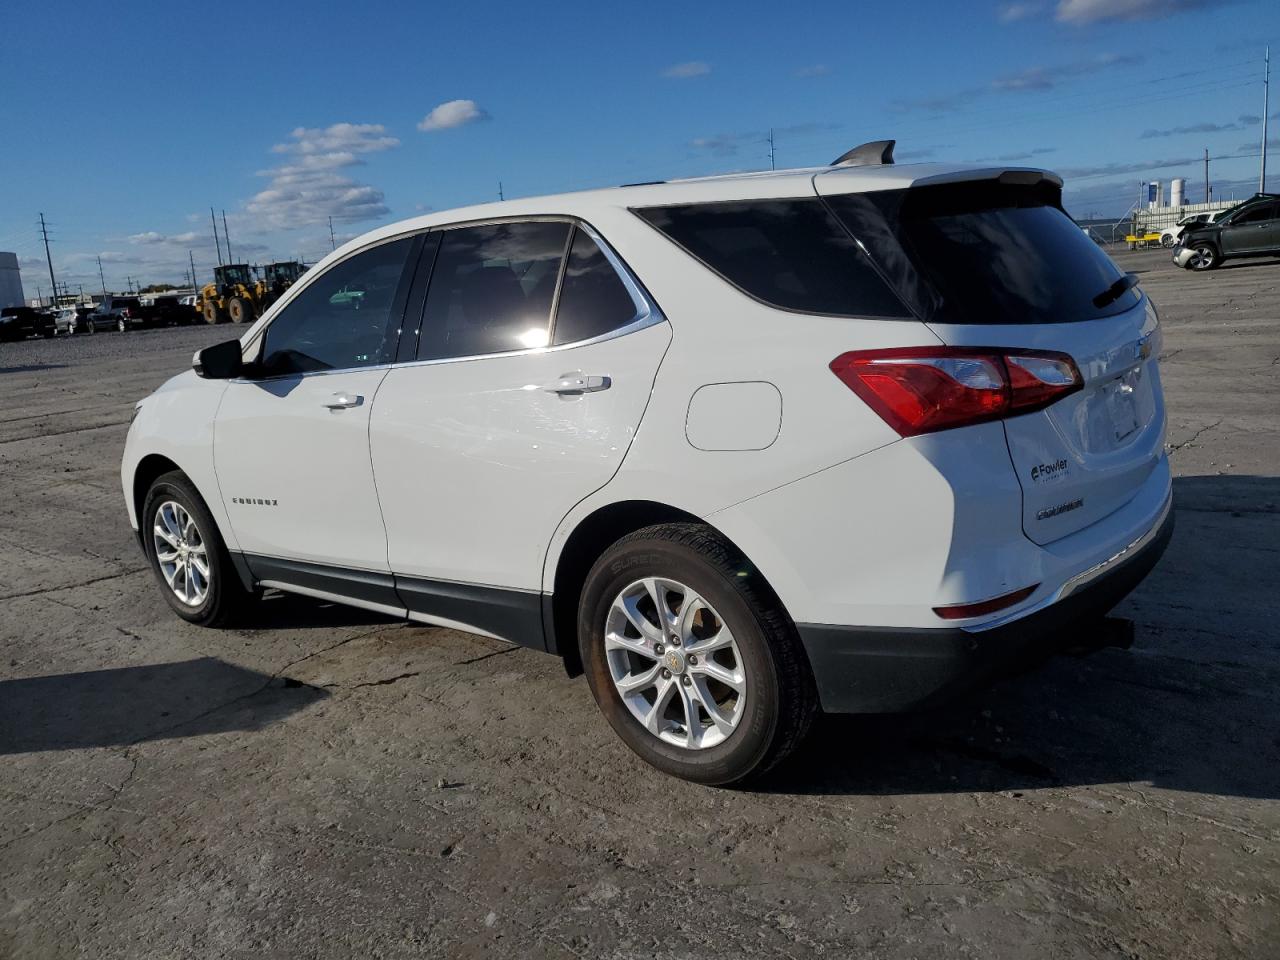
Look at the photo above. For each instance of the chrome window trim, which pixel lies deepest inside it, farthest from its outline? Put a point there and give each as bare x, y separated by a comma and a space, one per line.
648, 313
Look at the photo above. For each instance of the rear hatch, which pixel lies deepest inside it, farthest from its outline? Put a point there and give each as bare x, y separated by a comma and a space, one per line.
996, 263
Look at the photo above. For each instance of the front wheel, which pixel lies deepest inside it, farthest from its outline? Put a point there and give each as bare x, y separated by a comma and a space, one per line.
188, 557
1167, 241
121, 326
211, 312
240, 310
692, 658
1203, 257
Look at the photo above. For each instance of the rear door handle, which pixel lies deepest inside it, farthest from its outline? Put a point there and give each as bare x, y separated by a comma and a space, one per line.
345, 401
574, 383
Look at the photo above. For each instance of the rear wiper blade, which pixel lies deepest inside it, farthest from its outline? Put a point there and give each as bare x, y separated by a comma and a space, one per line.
1116, 290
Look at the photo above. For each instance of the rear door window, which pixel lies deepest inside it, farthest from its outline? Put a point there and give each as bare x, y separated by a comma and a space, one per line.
593, 299
491, 289
791, 254
984, 253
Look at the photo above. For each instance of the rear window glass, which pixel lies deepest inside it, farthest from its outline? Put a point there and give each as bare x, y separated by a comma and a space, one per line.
984, 253
593, 299
791, 254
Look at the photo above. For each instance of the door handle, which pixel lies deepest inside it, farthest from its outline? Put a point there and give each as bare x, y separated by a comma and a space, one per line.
575, 383
345, 401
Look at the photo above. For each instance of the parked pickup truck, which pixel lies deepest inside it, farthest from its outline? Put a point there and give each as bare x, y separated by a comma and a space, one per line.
114, 313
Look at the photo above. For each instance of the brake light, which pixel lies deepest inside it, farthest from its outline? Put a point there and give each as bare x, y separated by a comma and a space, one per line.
923, 389
960, 611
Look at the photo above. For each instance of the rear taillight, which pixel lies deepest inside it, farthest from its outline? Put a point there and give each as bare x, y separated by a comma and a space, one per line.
922, 389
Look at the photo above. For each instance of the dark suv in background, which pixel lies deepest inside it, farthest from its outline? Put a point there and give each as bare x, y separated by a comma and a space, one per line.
1250, 230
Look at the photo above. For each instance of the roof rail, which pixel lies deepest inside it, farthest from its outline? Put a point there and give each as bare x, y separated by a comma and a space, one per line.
875, 153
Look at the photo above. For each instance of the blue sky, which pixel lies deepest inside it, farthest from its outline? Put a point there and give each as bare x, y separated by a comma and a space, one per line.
123, 123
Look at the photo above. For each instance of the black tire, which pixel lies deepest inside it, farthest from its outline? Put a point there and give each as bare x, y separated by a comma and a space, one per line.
211, 312
226, 601
90, 327
1167, 241
1203, 257
781, 699
240, 310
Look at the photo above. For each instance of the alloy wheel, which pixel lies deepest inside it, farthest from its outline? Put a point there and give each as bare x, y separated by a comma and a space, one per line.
675, 663
181, 553
1201, 258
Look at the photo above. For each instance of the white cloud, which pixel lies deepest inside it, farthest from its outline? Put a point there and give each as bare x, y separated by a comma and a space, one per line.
311, 187
1095, 11
813, 70
1013, 12
684, 71
346, 137
452, 113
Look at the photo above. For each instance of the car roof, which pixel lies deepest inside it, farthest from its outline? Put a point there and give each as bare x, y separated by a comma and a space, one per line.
761, 185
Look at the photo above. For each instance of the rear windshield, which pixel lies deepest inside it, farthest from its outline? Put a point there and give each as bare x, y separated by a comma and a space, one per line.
984, 252
791, 254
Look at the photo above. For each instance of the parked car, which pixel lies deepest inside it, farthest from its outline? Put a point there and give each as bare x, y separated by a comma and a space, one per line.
114, 313
1170, 235
694, 438
66, 319
18, 323
1251, 229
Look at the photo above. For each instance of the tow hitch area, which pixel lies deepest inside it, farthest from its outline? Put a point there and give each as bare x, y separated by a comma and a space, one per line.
1094, 635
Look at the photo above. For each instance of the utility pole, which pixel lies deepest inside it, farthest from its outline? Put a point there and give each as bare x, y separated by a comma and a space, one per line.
128, 283
44, 232
101, 277
226, 236
216, 242
1266, 90
500, 196
191, 258
333, 244
771, 163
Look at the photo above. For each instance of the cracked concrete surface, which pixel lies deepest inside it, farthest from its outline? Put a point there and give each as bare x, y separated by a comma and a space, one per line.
333, 784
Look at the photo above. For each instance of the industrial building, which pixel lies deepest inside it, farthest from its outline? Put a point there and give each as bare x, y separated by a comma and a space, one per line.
10, 281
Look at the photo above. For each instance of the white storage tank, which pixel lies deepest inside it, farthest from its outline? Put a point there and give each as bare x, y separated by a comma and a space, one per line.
1177, 191
10, 281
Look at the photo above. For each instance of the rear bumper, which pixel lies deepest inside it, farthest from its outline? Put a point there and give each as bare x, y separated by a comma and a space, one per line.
897, 669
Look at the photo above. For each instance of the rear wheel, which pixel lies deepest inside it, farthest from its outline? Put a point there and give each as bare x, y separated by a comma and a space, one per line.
1167, 240
188, 556
121, 326
90, 326
240, 310
691, 657
1203, 257
211, 312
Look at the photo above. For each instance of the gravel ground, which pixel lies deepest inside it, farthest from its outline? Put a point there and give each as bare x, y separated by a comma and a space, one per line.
334, 784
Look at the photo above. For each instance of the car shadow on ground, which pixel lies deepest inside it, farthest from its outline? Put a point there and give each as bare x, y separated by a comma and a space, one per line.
106, 708
1191, 707
286, 611
1242, 264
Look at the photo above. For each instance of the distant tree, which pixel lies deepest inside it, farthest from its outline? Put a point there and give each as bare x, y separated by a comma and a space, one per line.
158, 287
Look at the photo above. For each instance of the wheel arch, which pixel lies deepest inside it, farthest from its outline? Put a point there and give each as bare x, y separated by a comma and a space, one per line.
590, 538
155, 465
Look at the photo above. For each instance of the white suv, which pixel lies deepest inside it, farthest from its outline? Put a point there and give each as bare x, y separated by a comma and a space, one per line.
851, 438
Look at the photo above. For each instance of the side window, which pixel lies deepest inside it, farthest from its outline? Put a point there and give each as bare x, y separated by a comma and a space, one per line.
791, 254
593, 298
342, 318
491, 289
1264, 211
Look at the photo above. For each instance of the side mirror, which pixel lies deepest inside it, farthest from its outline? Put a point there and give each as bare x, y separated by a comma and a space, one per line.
222, 361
